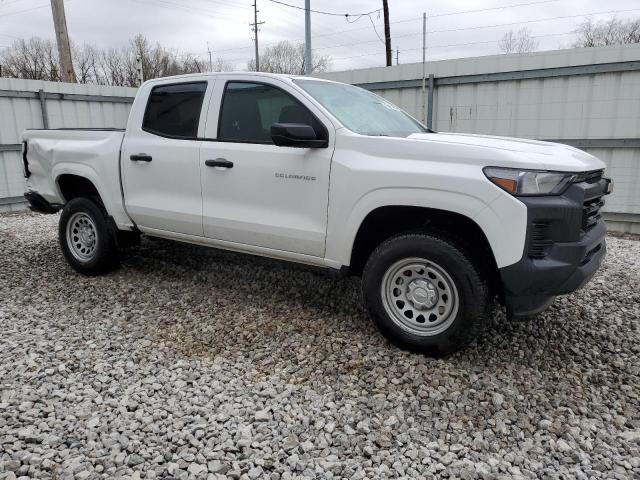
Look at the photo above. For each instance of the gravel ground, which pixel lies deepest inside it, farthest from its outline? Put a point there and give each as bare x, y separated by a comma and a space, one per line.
194, 363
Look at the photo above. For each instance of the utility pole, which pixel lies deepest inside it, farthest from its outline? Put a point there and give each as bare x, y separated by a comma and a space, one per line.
139, 72
424, 66
255, 25
387, 32
397, 55
210, 62
62, 38
307, 38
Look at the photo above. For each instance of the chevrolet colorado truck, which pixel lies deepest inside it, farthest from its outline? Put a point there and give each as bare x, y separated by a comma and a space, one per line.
438, 225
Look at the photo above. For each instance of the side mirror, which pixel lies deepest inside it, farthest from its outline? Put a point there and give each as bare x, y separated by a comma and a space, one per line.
296, 135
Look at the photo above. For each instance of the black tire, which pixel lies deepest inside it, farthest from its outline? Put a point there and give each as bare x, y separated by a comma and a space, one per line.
104, 256
469, 287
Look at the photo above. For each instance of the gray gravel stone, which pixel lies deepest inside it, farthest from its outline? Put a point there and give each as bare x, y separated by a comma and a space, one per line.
190, 363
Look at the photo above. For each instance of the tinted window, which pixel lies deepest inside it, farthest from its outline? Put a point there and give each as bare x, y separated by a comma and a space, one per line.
174, 110
249, 110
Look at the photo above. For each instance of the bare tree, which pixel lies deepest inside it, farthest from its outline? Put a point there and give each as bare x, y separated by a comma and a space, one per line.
85, 63
113, 67
518, 42
222, 65
36, 59
286, 57
614, 31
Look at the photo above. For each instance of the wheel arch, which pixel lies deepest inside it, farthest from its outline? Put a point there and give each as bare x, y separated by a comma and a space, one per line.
79, 181
73, 186
384, 222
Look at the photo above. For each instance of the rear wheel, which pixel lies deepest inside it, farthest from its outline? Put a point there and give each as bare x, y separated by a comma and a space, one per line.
424, 293
87, 241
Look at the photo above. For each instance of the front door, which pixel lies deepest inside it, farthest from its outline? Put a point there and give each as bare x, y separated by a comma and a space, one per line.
161, 162
254, 192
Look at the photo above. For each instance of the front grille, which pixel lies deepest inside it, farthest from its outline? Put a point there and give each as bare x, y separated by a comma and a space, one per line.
591, 213
540, 242
590, 177
594, 200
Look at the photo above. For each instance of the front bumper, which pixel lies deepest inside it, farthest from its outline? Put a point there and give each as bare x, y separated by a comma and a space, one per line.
564, 248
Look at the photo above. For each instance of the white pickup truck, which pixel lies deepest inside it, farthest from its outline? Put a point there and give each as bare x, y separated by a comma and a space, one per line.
307, 170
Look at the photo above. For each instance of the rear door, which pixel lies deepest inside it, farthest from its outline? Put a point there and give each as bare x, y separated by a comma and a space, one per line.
267, 196
160, 157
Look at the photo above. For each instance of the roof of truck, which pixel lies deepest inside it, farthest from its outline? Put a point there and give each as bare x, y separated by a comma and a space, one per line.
237, 74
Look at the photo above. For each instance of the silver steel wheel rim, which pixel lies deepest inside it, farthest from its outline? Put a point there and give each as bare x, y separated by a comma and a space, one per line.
419, 296
82, 237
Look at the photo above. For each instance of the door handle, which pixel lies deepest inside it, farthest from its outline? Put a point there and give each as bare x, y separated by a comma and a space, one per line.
219, 162
141, 157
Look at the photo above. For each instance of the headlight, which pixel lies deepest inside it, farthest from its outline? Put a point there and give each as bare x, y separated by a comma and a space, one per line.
529, 182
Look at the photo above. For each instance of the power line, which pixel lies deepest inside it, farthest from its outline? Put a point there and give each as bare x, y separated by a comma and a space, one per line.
465, 28
333, 33
448, 45
534, 21
374, 29
455, 45
320, 20
47, 5
229, 4
492, 26
480, 27
186, 8
217, 2
347, 16
4, 4
445, 30
459, 12
321, 12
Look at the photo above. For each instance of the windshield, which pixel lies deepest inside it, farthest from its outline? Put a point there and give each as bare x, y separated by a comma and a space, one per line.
360, 110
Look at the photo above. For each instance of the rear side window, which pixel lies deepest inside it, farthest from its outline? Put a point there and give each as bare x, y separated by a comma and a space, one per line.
174, 110
249, 109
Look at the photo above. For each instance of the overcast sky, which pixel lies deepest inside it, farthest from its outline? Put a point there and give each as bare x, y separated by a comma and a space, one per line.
187, 25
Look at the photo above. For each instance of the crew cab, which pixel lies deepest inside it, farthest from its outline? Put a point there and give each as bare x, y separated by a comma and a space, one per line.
438, 225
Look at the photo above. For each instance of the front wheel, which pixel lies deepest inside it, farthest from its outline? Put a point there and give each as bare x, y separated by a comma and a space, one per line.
424, 294
88, 243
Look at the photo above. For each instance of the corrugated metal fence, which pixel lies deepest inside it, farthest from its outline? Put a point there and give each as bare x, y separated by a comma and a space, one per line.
588, 98
36, 104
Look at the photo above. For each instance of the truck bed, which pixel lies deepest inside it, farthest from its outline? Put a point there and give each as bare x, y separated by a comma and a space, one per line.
52, 153
104, 129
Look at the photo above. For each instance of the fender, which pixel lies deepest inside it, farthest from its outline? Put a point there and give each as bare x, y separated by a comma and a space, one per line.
111, 200
505, 232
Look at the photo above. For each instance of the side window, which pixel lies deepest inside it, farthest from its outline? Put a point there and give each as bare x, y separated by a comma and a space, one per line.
249, 109
174, 110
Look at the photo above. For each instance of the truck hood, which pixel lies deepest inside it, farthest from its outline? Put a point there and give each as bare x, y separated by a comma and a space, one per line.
520, 152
